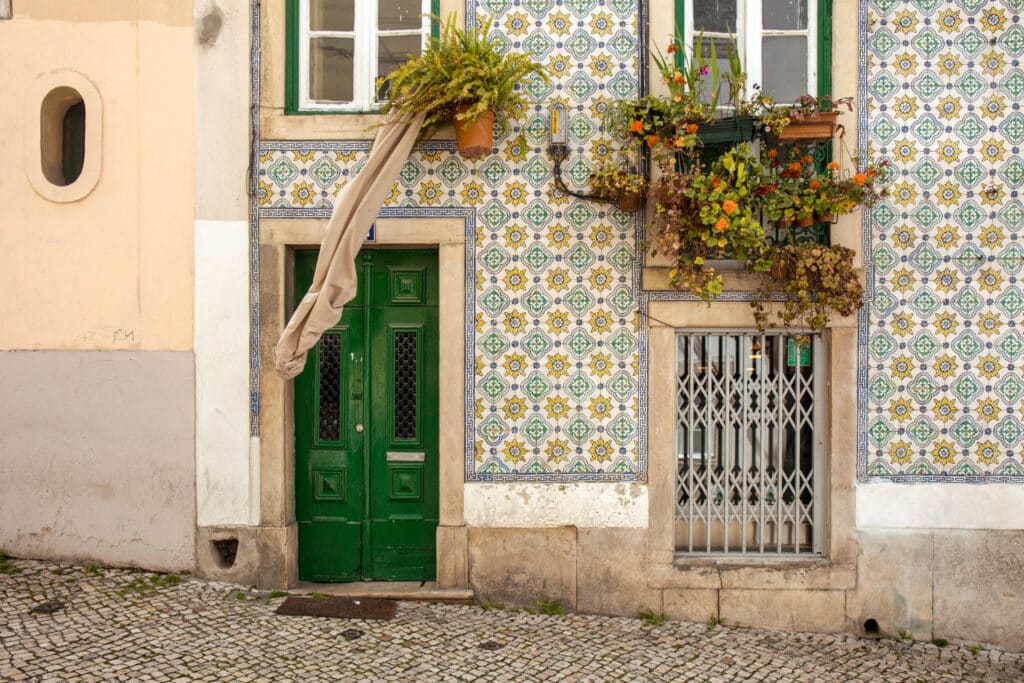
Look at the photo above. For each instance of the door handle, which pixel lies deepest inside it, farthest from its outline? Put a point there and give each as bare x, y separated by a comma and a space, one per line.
359, 428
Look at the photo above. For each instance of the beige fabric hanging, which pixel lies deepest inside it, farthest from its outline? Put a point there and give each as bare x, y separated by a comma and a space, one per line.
334, 281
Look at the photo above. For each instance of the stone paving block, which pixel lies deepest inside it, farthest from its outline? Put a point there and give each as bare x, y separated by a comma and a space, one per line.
122, 625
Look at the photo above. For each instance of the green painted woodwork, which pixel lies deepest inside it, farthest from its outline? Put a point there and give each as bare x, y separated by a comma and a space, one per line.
367, 503
291, 56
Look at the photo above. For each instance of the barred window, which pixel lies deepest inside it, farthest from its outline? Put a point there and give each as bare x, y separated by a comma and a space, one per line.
750, 443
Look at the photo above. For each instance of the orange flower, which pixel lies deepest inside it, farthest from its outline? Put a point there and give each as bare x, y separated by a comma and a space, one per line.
833, 165
673, 48
678, 78
652, 140
729, 207
691, 128
807, 159
860, 179
872, 173
715, 183
637, 126
814, 184
772, 153
721, 225
794, 167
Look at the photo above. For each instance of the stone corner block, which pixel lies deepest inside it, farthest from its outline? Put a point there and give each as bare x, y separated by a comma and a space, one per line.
520, 566
227, 553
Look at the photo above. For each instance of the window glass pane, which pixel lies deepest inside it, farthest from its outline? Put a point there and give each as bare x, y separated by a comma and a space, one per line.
721, 48
393, 52
400, 14
785, 67
784, 15
330, 69
331, 15
714, 16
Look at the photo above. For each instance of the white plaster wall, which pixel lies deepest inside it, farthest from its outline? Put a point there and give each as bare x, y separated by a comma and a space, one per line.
940, 506
584, 504
225, 480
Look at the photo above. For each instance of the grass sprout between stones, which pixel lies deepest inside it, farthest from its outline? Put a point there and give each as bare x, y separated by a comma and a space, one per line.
651, 618
5, 565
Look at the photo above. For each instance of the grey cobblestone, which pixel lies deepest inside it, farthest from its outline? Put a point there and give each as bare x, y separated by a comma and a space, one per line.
120, 625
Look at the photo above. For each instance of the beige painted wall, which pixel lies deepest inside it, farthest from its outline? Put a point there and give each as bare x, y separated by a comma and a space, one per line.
113, 269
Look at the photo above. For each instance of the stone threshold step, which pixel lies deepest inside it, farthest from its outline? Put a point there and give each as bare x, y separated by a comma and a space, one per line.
391, 590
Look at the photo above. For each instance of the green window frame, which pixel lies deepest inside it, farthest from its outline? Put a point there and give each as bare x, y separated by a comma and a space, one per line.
823, 42
295, 37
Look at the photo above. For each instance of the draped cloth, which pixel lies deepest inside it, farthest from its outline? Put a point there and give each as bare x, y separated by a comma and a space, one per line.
334, 281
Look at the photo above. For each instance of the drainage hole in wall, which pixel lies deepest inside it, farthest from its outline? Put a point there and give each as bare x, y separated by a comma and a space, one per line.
871, 627
226, 550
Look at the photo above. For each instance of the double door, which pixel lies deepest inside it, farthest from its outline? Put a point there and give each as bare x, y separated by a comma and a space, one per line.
366, 427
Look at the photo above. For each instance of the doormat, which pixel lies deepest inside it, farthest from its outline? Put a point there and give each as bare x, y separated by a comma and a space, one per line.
338, 608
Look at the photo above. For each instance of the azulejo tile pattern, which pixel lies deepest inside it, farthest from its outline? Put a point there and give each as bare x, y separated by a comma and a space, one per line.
557, 362
945, 350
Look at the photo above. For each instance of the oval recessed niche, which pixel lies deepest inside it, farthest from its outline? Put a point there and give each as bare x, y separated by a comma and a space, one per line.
63, 136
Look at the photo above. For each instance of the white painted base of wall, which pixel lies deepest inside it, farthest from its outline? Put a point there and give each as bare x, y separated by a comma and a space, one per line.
940, 506
226, 484
582, 504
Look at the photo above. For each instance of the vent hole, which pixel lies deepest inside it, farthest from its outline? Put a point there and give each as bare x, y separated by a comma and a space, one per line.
871, 627
226, 550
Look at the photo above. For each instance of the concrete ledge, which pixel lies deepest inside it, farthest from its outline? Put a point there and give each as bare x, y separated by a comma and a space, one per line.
744, 573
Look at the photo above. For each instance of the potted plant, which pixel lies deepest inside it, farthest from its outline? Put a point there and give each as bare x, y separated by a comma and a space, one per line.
613, 182
810, 119
808, 283
708, 214
691, 107
462, 77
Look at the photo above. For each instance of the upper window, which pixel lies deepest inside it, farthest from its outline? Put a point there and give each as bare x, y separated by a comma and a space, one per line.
339, 48
775, 38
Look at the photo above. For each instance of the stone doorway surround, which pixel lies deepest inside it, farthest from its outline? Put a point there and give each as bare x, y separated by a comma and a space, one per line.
277, 534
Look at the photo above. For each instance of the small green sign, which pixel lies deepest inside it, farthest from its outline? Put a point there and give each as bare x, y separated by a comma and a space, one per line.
792, 359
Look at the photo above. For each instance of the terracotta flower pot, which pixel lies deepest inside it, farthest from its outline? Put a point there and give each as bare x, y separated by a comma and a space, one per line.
824, 218
818, 127
784, 222
805, 222
630, 201
475, 139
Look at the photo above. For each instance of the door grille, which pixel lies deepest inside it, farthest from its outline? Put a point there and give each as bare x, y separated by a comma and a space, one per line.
330, 384
405, 385
750, 443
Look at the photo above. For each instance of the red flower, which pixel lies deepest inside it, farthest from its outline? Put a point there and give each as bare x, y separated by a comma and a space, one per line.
637, 126
673, 48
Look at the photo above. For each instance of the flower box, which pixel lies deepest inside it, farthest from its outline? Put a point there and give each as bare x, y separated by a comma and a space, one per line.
817, 127
726, 131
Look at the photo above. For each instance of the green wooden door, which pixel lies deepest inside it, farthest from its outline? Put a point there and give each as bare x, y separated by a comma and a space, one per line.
366, 428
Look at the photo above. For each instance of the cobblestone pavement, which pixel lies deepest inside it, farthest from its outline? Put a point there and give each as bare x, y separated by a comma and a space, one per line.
120, 625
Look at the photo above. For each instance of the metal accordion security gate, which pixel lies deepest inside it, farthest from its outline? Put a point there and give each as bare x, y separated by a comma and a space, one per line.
750, 443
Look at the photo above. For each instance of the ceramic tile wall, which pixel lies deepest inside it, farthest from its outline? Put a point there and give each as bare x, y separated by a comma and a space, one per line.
558, 360
944, 383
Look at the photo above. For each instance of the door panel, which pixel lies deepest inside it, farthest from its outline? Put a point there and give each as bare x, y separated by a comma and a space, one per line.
367, 501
